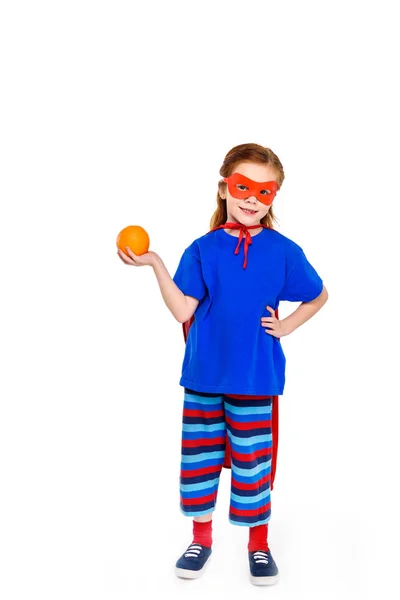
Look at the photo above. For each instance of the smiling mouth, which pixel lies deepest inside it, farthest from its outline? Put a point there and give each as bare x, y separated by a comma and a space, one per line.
248, 211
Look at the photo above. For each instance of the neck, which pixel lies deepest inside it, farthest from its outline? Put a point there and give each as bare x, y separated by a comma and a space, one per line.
235, 226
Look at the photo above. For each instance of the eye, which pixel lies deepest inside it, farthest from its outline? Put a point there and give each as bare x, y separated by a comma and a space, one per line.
239, 185
267, 192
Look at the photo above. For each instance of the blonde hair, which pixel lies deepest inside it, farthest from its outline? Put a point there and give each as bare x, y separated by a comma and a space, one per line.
246, 152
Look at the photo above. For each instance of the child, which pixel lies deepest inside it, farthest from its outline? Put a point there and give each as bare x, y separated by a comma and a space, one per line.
227, 286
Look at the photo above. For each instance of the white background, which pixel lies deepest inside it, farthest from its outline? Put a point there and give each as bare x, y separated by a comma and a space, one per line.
118, 113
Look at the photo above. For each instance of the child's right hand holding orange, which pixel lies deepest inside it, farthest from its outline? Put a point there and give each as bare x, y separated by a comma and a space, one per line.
148, 258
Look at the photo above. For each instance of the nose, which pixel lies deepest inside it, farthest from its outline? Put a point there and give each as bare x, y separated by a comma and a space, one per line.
252, 199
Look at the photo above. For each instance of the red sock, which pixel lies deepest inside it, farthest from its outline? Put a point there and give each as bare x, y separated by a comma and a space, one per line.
202, 533
258, 536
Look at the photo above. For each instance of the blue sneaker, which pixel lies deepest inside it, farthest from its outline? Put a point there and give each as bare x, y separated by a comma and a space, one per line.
263, 569
192, 562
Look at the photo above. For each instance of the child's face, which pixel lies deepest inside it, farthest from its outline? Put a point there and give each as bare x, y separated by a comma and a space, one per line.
235, 214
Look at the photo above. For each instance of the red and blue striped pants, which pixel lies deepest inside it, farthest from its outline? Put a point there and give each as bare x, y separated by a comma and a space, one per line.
207, 419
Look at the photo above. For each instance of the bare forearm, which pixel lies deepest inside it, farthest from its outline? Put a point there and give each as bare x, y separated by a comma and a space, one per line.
305, 311
172, 295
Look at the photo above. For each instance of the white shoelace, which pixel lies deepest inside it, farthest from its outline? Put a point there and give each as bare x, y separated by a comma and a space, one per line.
261, 557
193, 550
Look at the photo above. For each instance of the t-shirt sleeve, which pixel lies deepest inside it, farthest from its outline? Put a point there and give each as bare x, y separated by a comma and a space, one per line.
302, 282
189, 275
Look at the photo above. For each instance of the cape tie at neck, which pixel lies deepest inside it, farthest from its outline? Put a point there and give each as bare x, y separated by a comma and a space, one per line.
244, 231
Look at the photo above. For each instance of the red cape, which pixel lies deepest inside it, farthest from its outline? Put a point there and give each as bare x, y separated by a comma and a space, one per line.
275, 419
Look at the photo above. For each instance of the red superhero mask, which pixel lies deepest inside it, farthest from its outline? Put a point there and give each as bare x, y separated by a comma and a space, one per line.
264, 192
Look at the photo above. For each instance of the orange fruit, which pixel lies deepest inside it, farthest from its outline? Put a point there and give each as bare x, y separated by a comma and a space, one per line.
135, 237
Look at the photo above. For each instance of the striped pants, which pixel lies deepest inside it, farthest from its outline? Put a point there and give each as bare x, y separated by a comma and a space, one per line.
207, 420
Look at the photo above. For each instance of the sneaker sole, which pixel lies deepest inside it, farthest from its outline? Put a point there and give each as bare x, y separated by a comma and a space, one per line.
188, 574
264, 580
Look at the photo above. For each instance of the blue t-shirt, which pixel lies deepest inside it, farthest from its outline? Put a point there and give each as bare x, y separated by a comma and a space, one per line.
227, 349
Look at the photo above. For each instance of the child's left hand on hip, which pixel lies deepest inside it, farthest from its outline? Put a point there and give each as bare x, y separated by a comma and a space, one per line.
276, 327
